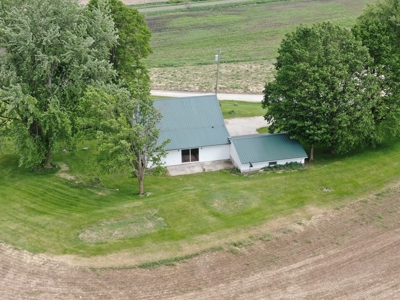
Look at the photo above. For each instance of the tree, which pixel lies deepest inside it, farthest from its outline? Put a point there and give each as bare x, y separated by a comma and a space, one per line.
133, 38
379, 30
322, 94
52, 51
127, 132
125, 125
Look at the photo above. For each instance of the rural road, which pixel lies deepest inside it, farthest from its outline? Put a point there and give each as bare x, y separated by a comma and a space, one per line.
221, 96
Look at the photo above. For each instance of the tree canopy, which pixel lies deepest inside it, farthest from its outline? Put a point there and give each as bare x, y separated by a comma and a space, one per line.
125, 125
133, 38
322, 93
52, 50
378, 28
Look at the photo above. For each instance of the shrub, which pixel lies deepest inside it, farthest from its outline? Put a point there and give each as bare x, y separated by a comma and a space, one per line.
286, 167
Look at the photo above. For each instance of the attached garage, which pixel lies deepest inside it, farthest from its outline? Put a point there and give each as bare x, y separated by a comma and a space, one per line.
254, 152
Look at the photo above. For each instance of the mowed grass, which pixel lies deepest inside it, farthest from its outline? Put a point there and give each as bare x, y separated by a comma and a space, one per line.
245, 33
42, 212
240, 109
263, 129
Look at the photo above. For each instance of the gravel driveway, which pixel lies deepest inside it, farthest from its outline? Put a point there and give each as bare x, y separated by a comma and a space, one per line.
244, 126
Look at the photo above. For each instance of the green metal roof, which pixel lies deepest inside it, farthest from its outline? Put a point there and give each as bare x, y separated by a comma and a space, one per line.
267, 147
191, 122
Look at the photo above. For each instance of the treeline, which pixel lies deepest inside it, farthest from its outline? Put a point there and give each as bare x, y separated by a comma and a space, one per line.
339, 88
70, 72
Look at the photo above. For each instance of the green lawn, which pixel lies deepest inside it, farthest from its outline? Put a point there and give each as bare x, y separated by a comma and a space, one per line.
42, 212
263, 130
241, 109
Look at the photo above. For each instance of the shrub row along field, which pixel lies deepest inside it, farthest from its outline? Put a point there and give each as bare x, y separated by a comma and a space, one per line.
65, 212
185, 42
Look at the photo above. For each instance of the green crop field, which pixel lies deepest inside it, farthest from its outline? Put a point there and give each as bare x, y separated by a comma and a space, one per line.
185, 42
244, 33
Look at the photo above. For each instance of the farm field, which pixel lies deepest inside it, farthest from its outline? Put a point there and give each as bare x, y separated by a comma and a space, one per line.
347, 253
185, 42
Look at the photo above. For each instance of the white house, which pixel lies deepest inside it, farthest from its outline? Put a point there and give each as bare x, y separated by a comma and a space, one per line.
196, 128
198, 133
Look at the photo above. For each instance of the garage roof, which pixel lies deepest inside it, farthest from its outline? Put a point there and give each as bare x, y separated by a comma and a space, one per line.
267, 147
191, 122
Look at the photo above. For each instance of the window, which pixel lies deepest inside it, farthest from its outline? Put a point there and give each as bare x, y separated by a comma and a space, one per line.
272, 163
190, 155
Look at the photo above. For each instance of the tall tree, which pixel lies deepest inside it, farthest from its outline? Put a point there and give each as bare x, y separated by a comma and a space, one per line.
322, 94
52, 50
125, 123
133, 38
128, 132
379, 30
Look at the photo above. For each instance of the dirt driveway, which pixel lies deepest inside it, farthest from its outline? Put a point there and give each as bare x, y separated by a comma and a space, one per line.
351, 252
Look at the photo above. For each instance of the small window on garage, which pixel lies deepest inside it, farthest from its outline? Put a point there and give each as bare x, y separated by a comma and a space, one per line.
272, 163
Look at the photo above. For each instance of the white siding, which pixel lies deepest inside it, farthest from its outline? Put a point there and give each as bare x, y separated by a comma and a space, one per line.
235, 157
220, 152
173, 158
260, 165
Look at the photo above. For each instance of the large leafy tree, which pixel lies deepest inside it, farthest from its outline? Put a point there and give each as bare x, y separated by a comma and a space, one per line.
322, 93
133, 38
124, 121
379, 30
52, 50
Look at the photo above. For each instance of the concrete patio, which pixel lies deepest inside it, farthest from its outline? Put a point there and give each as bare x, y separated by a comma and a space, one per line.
198, 167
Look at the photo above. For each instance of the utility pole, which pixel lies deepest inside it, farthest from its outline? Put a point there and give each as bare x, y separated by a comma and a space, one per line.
217, 59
